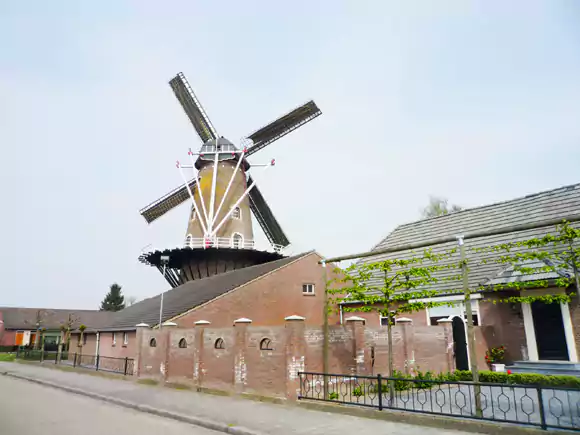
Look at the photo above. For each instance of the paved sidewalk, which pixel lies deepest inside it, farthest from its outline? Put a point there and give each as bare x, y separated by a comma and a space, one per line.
258, 417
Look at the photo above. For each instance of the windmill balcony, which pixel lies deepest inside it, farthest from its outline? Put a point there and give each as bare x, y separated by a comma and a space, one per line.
218, 242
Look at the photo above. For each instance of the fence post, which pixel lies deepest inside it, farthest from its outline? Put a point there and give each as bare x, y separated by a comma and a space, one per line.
97, 362
541, 406
75, 360
380, 387
126, 362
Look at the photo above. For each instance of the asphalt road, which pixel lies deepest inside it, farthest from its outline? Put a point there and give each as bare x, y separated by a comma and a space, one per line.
31, 409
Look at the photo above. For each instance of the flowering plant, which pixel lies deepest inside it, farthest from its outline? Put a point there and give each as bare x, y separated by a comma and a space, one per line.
494, 355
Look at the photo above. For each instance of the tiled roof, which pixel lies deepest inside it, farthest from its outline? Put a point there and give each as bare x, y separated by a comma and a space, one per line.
52, 319
553, 204
192, 294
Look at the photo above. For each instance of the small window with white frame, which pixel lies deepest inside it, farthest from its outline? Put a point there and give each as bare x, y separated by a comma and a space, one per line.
385, 320
193, 213
308, 289
114, 338
237, 213
125, 338
434, 314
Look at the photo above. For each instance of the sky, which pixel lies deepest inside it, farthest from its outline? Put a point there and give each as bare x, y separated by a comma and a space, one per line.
475, 101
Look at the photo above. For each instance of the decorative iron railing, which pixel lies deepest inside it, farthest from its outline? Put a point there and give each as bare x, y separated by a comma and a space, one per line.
545, 407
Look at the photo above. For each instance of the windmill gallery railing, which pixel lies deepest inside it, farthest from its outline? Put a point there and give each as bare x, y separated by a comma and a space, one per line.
534, 405
223, 242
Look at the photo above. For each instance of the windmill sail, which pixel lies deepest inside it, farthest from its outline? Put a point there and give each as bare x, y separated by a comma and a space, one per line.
265, 217
193, 108
166, 203
283, 125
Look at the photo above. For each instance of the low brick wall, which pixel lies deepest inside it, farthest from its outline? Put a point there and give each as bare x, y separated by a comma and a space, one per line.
266, 360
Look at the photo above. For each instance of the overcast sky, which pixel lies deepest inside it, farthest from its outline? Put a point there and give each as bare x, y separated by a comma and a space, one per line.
477, 101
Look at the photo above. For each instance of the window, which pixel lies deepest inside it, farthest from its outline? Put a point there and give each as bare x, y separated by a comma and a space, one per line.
114, 339
182, 343
193, 213
84, 339
125, 338
435, 314
152, 343
266, 344
188, 241
237, 213
385, 320
237, 241
219, 344
308, 289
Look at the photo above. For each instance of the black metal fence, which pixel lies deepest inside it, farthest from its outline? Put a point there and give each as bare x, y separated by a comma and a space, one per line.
545, 407
104, 363
123, 366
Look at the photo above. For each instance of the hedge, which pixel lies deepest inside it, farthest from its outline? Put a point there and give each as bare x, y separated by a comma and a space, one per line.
534, 379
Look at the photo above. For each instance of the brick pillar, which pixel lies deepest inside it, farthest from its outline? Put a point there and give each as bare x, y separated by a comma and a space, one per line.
295, 354
240, 368
198, 365
166, 330
357, 325
448, 333
408, 335
141, 327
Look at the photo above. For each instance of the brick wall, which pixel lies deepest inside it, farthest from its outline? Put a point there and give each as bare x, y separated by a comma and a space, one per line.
268, 300
8, 338
236, 359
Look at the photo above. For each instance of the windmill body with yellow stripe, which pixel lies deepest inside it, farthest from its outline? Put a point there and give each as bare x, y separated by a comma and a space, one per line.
219, 235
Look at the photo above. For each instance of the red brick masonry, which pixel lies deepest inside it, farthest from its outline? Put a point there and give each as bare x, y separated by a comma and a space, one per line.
243, 366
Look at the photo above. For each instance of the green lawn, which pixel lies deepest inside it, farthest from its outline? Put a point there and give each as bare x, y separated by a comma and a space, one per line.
7, 357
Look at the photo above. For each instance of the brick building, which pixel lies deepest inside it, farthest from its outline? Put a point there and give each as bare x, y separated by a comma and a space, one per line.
266, 293
536, 332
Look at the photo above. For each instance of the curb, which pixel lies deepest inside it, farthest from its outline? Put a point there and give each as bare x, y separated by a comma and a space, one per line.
197, 421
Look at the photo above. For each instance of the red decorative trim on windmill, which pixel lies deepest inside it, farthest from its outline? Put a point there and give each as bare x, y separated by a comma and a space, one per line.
273, 162
177, 165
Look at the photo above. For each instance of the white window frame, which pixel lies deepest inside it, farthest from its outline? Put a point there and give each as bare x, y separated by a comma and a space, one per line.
307, 286
239, 216
125, 338
460, 299
241, 240
114, 338
193, 213
381, 317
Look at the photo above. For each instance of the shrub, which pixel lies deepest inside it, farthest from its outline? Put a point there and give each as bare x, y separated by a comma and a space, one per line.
515, 378
357, 392
333, 396
428, 376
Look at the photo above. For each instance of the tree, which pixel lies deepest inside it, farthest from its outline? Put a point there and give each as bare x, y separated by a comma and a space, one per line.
114, 300
439, 207
401, 285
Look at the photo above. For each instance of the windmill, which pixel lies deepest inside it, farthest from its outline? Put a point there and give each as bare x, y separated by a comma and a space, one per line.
219, 234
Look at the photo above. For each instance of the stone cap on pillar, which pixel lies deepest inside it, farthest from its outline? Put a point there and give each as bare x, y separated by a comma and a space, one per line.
142, 325
169, 324
444, 321
354, 319
403, 320
201, 323
294, 317
242, 320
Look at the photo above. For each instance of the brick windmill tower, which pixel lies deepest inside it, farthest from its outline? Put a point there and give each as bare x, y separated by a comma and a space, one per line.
219, 234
